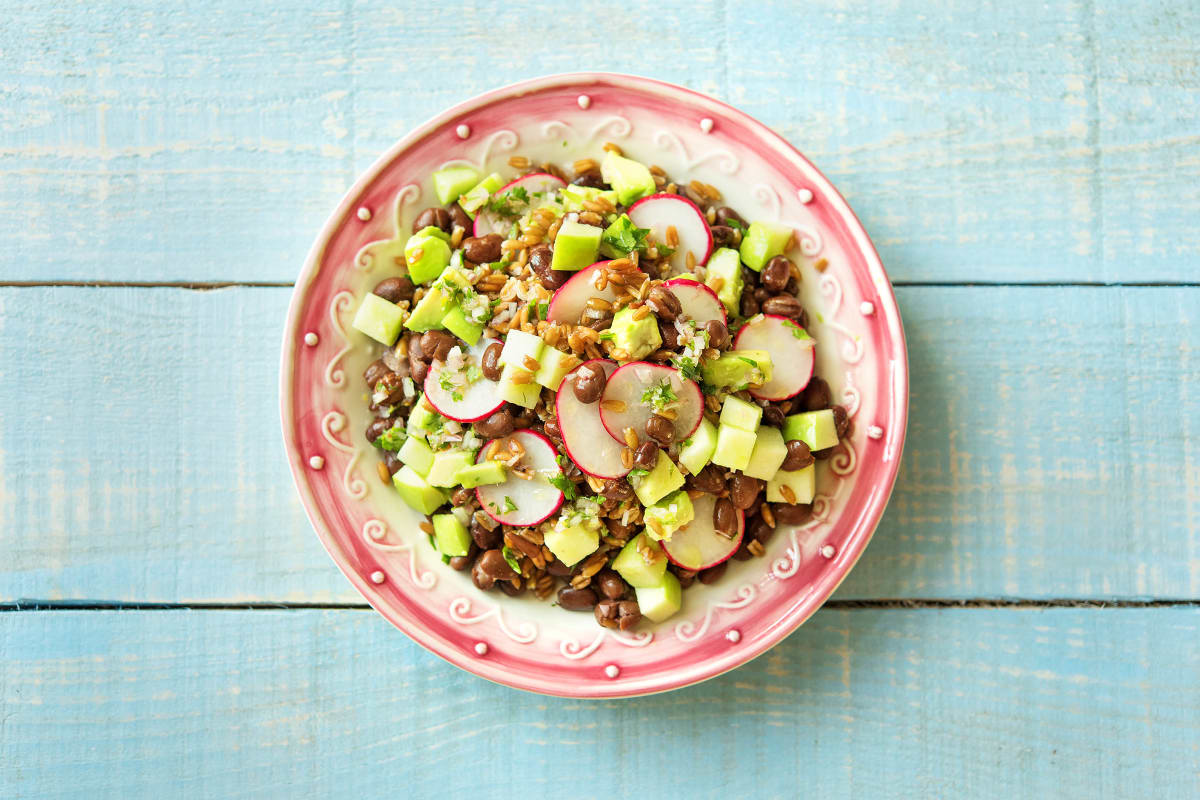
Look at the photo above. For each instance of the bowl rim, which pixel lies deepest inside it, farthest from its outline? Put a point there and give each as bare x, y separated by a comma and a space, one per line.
692, 674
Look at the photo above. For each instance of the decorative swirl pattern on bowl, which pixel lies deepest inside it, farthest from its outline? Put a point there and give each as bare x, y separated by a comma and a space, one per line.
335, 376
574, 650
687, 631
374, 531
460, 610
726, 161
331, 423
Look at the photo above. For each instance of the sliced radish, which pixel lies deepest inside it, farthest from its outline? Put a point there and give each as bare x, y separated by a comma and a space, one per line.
584, 437
622, 406
456, 399
570, 299
660, 211
539, 182
521, 501
697, 545
793, 354
697, 300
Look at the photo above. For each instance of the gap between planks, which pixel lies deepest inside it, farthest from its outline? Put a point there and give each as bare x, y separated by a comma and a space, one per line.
203, 286
840, 605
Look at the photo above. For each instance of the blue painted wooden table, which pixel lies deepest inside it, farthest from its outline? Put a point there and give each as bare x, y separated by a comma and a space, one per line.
1026, 622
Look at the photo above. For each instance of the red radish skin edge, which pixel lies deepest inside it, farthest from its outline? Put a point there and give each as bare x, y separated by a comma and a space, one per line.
736, 543
811, 370
477, 228
562, 295
699, 285
479, 498
696, 386
557, 414
696, 208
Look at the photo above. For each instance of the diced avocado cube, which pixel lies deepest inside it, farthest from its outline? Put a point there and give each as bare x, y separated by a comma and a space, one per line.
738, 413
641, 562
662, 600
422, 419
555, 366
519, 345
736, 370
429, 311
457, 323
446, 464
379, 319
816, 429
450, 182
573, 543
485, 473
734, 447
426, 255
762, 242
637, 337
768, 454
573, 197
575, 246
416, 454
621, 238
453, 278
523, 394
697, 451
473, 199
450, 535
658, 482
668, 515
630, 179
417, 492
726, 265
802, 483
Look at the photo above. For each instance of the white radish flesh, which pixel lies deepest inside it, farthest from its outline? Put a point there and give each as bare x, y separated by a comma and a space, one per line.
539, 183
586, 441
698, 545
522, 501
793, 354
627, 395
456, 399
697, 301
658, 212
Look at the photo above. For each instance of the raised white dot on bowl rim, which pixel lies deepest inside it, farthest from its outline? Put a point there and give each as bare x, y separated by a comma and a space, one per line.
583, 100
463, 131
867, 308
481, 648
311, 339
612, 670
316, 462
805, 196
706, 125
875, 432
378, 577
828, 551
364, 213
733, 635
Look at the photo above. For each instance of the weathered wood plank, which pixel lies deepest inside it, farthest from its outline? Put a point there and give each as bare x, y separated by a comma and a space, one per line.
1050, 449
1015, 142
886, 704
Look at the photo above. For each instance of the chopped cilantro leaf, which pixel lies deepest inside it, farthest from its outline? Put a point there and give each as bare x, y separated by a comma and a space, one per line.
659, 395
511, 558
564, 485
638, 473
749, 361
519, 194
664, 251
392, 438
626, 237
736, 225
509, 505
688, 368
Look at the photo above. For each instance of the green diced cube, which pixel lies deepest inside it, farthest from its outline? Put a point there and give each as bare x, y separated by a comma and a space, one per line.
416, 491
457, 323
630, 179
555, 364
726, 265
662, 600
816, 429
523, 394
668, 515
762, 242
450, 182
738, 413
450, 535
697, 451
379, 319
637, 337
801, 482
658, 482
416, 454
446, 465
575, 246
426, 253
485, 473
641, 562
573, 543
768, 454
734, 447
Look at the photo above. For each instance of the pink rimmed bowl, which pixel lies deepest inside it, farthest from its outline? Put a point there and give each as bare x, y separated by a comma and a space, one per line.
522, 642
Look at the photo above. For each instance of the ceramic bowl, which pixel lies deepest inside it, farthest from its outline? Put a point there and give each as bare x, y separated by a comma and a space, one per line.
534, 645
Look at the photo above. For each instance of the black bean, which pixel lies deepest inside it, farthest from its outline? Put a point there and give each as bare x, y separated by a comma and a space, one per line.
646, 455
490, 363
576, 599
725, 517
437, 344
433, 217
783, 305
486, 539
589, 383
378, 427
591, 180
611, 585
669, 335
374, 371
660, 429
628, 614
712, 574
718, 334
748, 305
492, 563
791, 515
841, 421
539, 261
482, 249
664, 303
724, 236
775, 274
743, 489
394, 290
459, 219
725, 214
616, 489
707, 480
816, 395
499, 424
798, 456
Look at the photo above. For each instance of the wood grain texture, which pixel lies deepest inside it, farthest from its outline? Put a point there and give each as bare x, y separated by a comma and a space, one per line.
1062, 703
1050, 450
1006, 142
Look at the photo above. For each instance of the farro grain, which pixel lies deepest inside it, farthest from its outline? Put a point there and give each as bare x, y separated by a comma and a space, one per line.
518, 162
671, 237
767, 516
616, 406
384, 474
821, 264
756, 548
609, 147
789, 496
